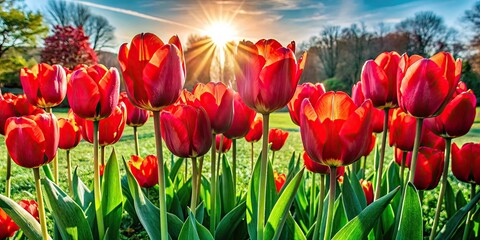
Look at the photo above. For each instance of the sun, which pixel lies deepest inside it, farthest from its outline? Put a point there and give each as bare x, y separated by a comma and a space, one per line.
221, 33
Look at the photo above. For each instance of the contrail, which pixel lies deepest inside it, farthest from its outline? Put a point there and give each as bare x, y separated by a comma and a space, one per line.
135, 13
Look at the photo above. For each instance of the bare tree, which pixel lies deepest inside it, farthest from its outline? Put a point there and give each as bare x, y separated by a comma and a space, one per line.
472, 18
357, 49
99, 30
426, 32
328, 49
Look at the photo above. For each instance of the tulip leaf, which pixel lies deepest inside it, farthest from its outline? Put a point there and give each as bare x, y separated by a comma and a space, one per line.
357, 188
48, 172
411, 219
293, 168
460, 199
292, 230
175, 168
252, 197
230, 221
192, 230
302, 205
457, 219
227, 188
29, 225
277, 217
449, 200
84, 198
112, 198
69, 216
128, 201
393, 182
149, 214
351, 202
360, 226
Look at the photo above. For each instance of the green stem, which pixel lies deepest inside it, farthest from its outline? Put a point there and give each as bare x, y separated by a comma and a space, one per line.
193, 202
331, 202
8, 179
185, 172
402, 168
364, 166
262, 192
220, 154
199, 176
312, 200
69, 173
161, 177
320, 207
443, 187
273, 156
213, 188
234, 165
55, 159
468, 221
382, 155
41, 207
251, 159
96, 182
102, 155
135, 137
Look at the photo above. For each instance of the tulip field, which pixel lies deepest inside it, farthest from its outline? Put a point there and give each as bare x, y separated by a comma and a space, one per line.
266, 158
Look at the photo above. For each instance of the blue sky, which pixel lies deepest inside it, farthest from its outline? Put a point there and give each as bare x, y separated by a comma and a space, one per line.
285, 20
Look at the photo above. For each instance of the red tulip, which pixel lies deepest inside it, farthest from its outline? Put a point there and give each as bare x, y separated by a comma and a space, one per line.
243, 116
93, 92
466, 162
136, 117
7, 225
24, 108
44, 85
429, 139
7, 107
154, 72
427, 85
368, 190
110, 129
15, 106
280, 179
256, 130
145, 170
217, 100
448, 124
277, 138
334, 131
226, 143
31, 206
267, 74
306, 90
70, 134
429, 167
186, 130
402, 130
371, 145
379, 80
313, 166
378, 115
39, 132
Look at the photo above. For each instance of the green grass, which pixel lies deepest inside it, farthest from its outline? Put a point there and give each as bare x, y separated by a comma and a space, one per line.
82, 156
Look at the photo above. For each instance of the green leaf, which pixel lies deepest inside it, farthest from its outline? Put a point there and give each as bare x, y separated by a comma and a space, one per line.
175, 168
227, 188
393, 180
292, 230
84, 198
230, 221
302, 206
339, 216
69, 217
460, 199
449, 201
149, 214
360, 226
357, 187
47, 171
277, 217
351, 202
293, 168
112, 198
411, 219
128, 203
192, 230
453, 223
29, 225
252, 197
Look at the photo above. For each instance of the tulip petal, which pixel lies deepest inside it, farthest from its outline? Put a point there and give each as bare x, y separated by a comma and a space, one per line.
83, 94
49, 126
30, 84
202, 134
313, 133
461, 162
53, 85
462, 105
109, 88
334, 106
21, 132
375, 83
175, 134
248, 68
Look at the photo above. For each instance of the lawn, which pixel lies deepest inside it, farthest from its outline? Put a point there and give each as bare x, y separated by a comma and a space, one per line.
23, 184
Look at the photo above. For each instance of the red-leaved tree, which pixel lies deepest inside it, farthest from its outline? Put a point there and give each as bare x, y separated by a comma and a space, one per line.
69, 47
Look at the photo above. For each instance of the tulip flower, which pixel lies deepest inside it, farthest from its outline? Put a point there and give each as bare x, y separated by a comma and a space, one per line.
110, 128
255, 132
144, 170
379, 80
402, 130
429, 168
378, 115
8, 110
280, 179
154, 72
276, 139
136, 117
70, 136
368, 190
335, 132
465, 162
31, 206
267, 74
24, 108
222, 142
39, 132
306, 90
313, 166
243, 117
45, 86
186, 130
7, 226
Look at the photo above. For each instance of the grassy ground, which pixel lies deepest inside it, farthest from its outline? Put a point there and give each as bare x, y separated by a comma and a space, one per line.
82, 156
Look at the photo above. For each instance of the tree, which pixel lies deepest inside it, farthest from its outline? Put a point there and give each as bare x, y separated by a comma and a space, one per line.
329, 49
69, 47
426, 33
18, 27
98, 28
472, 18
356, 45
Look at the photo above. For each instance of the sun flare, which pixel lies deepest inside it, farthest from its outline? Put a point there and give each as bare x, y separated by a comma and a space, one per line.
221, 33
